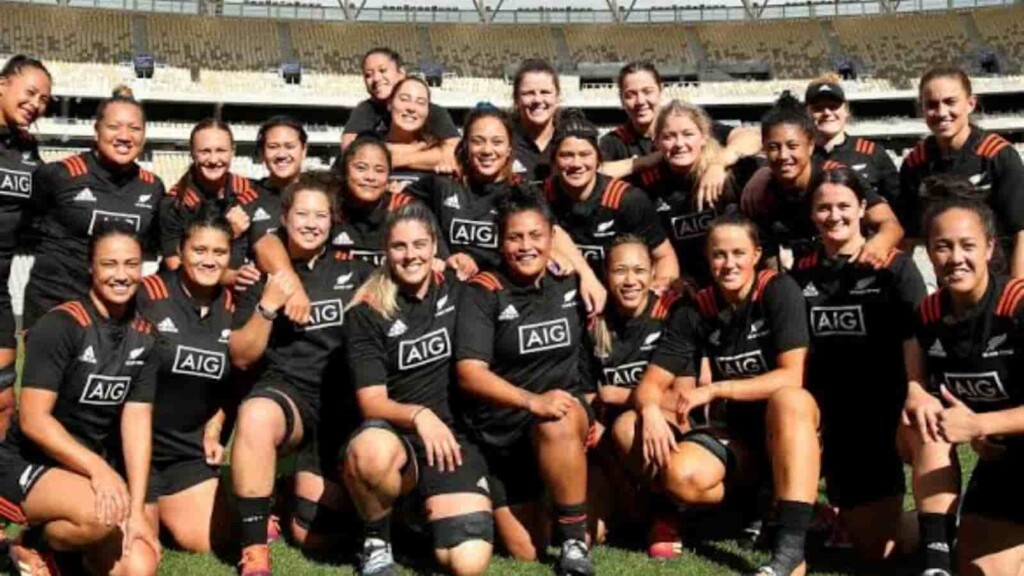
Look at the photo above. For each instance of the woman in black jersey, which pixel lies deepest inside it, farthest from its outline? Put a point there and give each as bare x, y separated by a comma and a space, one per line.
956, 147
72, 197
400, 357
74, 466
632, 147
593, 209
776, 197
857, 311
535, 94
410, 126
518, 349
827, 105
752, 328
24, 95
283, 412
964, 374
281, 143
192, 315
683, 135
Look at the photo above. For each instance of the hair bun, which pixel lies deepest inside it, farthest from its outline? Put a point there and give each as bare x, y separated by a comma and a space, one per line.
123, 91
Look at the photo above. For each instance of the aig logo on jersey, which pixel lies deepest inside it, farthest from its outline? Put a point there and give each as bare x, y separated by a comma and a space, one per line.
198, 362
15, 183
592, 253
103, 216
324, 314
544, 336
978, 387
473, 232
428, 348
742, 365
102, 390
692, 225
626, 375
837, 321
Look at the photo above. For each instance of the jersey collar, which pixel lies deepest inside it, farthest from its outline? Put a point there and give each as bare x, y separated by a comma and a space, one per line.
178, 281
119, 178
973, 139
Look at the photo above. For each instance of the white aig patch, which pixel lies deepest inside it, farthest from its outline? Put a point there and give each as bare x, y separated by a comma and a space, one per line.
15, 183
976, 387
324, 314
592, 253
742, 365
198, 362
544, 336
472, 233
102, 390
103, 217
627, 375
428, 348
837, 321
692, 225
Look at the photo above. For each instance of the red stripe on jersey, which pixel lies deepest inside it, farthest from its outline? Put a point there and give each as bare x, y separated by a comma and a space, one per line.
439, 277
613, 193
397, 201
77, 311
146, 176
991, 145
244, 191
342, 255
763, 278
869, 147
12, 511
1018, 295
706, 303
930, 308
809, 261
487, 280
1010, 297
142, 325
650, 176
75, 166
918, 155
173, 192
549, 189
229, 300
665, 302
831, 165
155, 287
191, 198
625, 133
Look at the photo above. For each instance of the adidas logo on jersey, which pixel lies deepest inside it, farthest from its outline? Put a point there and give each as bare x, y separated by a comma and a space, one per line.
167, 325
509, 313
992, 349
810, 291
483, 485
343, 282
452, 202
85, 195
518, 167
859, 167
662, 206
397, 329
937, 350
569, 300
342, 239
260, 215
88, 355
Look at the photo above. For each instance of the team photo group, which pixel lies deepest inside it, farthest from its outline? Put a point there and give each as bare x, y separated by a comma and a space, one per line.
521, 336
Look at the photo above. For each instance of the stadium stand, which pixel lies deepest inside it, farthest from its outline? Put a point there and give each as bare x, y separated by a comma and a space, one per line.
1003, 28
338, 48
482, 51
215, 43
62, 34
663, 44
794, 49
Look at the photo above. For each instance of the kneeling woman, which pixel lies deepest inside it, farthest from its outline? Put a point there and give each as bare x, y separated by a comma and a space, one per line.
192, 316
969, 336
282, 413
752, 327
89, 380
518, 347
400, 356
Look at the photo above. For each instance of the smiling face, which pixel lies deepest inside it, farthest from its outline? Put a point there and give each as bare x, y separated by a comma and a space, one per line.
946, 107
212, 152
788, 149
283, 153
116, 269
489, 147
366, 174
629, 276
681, 142
537, 98
526, 243
640, 95
410, 253
120, 133
576, 162
410, 106
205, 256
308, 221
24, 96
836, 212
380, 75
830, 116
960, 252
733, 257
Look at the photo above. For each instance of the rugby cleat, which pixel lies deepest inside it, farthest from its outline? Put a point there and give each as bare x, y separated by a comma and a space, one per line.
574, 560
29, 562
376, 559
255, 561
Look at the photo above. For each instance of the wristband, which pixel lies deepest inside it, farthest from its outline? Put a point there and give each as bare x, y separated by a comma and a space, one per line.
415, 414
266, 314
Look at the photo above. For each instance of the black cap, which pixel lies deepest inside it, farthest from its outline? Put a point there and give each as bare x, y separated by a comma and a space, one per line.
818, 91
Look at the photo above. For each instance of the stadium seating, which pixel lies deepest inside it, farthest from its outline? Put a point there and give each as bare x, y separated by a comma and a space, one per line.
483, 51
1003, 28
214, 43
62, 34
794, 49
339, 48
663, 44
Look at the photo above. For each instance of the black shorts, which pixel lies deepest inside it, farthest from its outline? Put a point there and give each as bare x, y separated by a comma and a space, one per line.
994, 490
169, 479
321, 453
746, 463
8, 329
470, 477
17, 478
273, 387
861, 465
514, 476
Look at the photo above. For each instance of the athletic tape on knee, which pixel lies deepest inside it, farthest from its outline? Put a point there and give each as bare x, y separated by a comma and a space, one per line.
7, 377
305, 512
454, 530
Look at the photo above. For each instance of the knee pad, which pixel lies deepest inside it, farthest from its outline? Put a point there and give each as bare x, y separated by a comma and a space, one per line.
313, 517
452, 531
7, 377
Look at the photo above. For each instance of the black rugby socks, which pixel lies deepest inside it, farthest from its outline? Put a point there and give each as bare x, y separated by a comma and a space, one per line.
935, 540
379, 529
571, 522
794, 521
254, 513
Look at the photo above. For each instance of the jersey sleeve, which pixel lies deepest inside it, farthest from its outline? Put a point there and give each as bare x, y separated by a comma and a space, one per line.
441, 124
424, 189
46, 180
910, 291
907, 205
1008, 189
50, 348
888, 185
640, 218
259, 227
365, 348
144, 389
786, 311
474, 333
721, 132
678, 349
171, 216
612, 148
361, 119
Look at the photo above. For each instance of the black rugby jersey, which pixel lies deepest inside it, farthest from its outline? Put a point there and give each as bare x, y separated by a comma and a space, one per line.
859, 319
411, 353
270, 201
675, 202
363, 232
372, 116
19, 157
740, 342
181, 203
867, 159
194, 365
531, 164
69, 199
988, 161
624, 142
95, 365
532, 336
979, 358
309, 356
613, 208
633, 341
